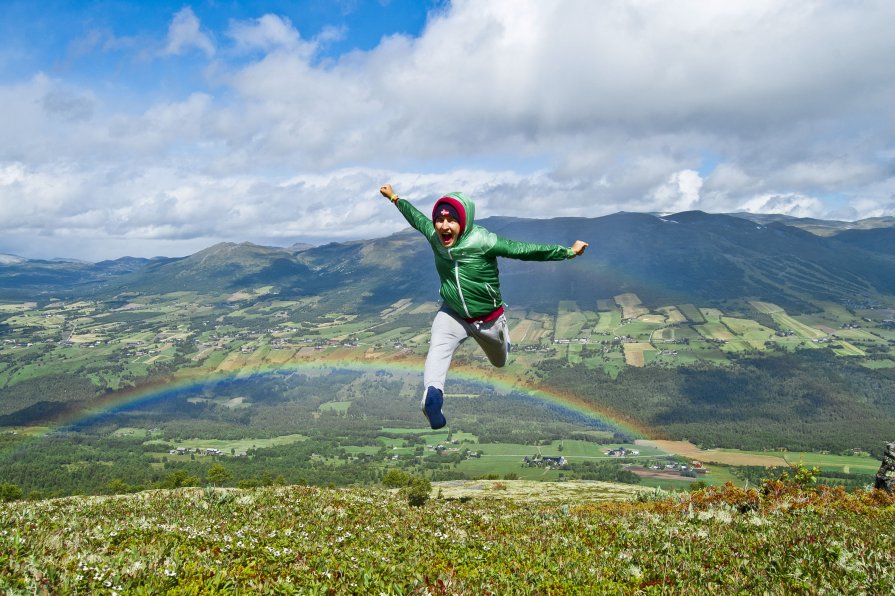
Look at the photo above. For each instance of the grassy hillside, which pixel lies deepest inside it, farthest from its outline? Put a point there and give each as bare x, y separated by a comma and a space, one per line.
782, 539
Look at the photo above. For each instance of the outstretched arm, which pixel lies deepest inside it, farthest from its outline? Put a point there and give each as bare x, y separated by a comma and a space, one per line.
529, 251
414, 216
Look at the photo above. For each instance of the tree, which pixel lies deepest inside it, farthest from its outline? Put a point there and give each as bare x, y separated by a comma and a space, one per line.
117, 486
10, 492
179, 478
218, 474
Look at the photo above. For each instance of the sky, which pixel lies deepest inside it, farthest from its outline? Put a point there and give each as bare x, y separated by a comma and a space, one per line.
160, 128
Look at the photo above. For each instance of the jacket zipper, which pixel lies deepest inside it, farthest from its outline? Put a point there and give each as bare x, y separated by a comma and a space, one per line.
492, 294
457, 281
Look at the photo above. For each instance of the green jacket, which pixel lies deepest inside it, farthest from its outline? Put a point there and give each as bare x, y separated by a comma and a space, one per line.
470, 282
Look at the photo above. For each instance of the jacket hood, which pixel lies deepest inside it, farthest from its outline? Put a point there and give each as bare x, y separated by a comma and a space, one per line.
464, 205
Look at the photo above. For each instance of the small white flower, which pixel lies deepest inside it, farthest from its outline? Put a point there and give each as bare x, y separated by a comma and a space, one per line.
756, 520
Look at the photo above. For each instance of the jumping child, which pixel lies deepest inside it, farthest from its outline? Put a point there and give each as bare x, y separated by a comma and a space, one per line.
466, 261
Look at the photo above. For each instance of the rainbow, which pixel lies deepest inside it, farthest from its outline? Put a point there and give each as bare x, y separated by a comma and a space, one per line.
189, 380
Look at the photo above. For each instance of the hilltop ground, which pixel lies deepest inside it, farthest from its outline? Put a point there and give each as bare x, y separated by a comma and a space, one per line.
785, 538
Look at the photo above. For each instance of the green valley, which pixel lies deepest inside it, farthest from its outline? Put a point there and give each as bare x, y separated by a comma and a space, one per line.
268, 365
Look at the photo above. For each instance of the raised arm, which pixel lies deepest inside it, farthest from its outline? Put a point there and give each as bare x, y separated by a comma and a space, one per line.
414, 216
389, 193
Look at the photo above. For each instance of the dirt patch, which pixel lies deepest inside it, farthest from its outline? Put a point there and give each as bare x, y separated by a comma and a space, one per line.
520, 332
730, 458
530, 490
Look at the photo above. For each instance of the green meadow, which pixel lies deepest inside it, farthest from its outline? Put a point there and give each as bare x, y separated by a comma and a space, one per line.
855, 464
239, 446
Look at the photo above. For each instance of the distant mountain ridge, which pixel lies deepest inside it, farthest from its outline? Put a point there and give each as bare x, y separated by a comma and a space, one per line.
821, 227
691, 257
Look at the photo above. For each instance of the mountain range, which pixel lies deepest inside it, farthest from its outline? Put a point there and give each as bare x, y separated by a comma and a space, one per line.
690, 257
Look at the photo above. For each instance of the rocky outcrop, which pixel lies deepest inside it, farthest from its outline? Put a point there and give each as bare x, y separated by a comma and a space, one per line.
885, 478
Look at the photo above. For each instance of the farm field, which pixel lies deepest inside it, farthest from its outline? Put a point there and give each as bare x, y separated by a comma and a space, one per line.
849, 464
672, 314
237, 447
631, 306
569, 321
672, 480
142, 337
691, 312
59, 337
854, 464
56, 337
608, 321
635, 353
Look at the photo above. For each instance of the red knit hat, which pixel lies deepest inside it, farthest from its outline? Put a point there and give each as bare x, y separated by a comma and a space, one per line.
452, 207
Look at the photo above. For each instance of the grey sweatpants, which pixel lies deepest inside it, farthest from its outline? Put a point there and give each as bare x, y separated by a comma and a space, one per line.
449, 331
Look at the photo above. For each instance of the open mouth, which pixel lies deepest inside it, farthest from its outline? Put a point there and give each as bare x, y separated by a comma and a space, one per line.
447, 238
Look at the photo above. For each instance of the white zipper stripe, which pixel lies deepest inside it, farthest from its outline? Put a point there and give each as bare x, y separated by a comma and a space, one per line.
459, 289
492, 294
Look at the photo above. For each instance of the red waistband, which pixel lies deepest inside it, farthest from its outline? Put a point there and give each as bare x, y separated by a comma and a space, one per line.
487, 318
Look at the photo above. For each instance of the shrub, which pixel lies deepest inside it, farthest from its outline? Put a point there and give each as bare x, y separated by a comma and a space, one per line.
415, 488
10, 492
417, 491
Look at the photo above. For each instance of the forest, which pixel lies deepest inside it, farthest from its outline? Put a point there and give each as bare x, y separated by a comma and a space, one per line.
805, 401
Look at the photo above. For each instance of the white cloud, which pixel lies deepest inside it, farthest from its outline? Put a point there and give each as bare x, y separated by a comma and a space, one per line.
788, 204
184, 33
266, 33
679, 193
545, 108
830, 174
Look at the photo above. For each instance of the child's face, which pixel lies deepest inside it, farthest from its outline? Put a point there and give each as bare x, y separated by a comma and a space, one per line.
448, 230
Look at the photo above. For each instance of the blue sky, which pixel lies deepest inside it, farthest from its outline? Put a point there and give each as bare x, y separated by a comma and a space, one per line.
111, 43
160, 128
